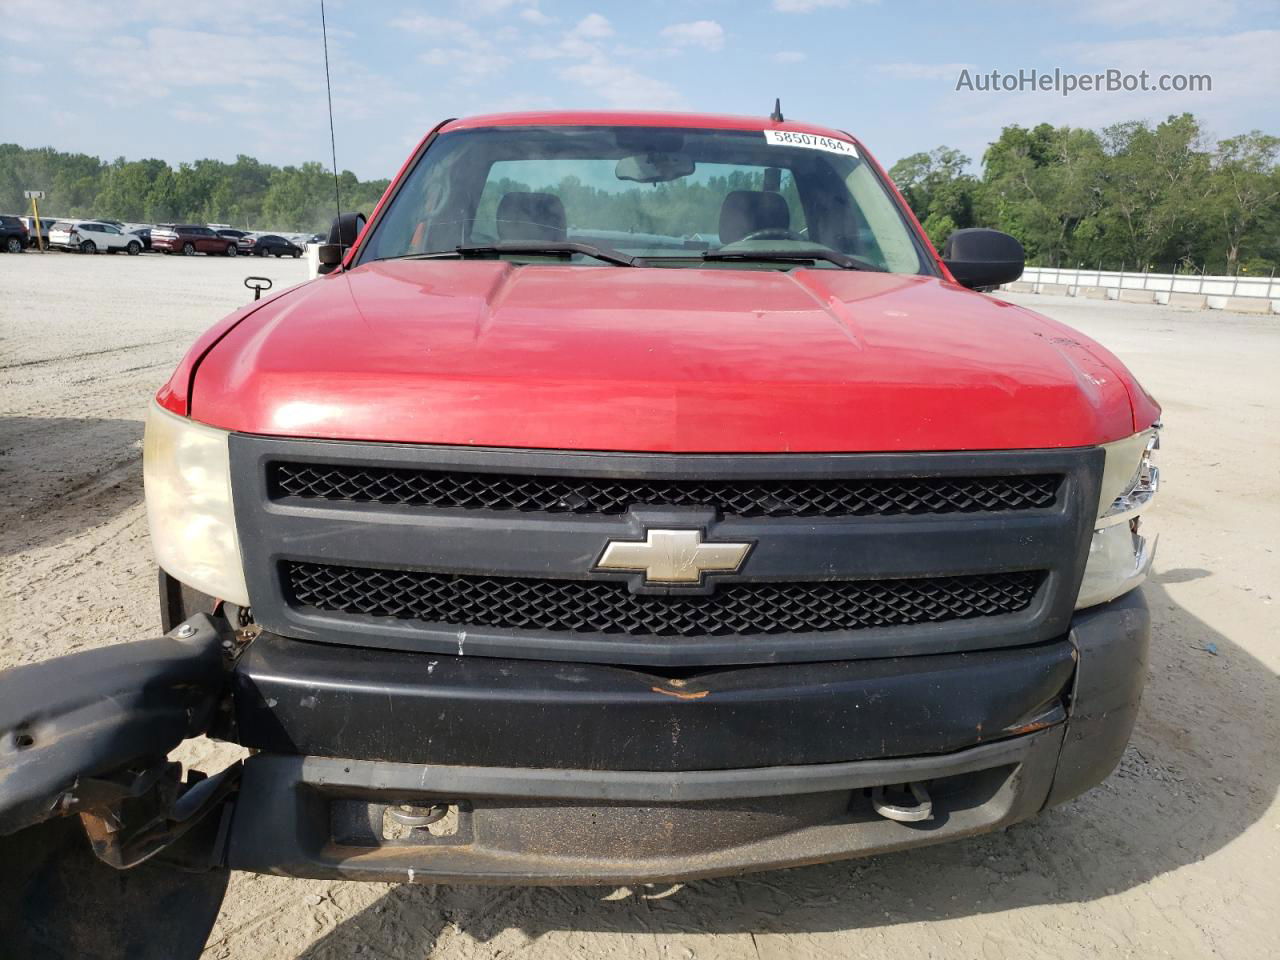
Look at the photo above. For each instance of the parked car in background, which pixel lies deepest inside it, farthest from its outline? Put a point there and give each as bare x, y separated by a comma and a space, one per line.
231, 234
190, 239
93, 236
142, 233
46, 224
270, 244
13, 234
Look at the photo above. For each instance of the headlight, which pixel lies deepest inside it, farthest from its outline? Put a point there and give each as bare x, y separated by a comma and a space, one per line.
186, 472
1119, 555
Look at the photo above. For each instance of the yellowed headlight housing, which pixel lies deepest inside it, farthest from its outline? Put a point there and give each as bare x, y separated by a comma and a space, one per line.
187, 476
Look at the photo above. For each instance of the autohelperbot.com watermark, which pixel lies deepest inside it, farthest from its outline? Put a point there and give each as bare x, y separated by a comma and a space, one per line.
1066, 83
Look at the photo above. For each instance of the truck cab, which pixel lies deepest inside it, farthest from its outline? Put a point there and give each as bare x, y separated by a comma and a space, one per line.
639, 497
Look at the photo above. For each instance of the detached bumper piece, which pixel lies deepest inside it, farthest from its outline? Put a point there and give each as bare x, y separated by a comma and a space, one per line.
588, 774
85, 787
88, 730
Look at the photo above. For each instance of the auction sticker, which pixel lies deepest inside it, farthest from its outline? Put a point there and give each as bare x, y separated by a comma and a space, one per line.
794, 138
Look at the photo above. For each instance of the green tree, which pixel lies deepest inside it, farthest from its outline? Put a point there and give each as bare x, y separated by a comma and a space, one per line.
1244, 189
939, 191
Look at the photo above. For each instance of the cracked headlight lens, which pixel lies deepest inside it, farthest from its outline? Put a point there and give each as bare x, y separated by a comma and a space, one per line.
1122, 548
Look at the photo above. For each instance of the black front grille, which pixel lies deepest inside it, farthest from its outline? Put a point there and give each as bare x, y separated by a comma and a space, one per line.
597, 495
607, 607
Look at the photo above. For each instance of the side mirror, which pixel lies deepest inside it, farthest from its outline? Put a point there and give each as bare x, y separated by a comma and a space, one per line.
981, 259
346, 228
330, 255
342, 234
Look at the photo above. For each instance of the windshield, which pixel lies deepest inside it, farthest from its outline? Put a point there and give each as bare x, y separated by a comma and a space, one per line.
667, 195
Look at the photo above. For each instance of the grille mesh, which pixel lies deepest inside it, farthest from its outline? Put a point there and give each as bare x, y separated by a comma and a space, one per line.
608, 607
595, 495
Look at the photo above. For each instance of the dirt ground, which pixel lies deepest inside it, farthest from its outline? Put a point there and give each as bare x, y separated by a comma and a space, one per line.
1176, 855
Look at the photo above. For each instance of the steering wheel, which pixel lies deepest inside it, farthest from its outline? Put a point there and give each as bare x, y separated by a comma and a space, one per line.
770, 233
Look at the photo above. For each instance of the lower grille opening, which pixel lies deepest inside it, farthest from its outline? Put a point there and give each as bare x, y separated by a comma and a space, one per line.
608, 607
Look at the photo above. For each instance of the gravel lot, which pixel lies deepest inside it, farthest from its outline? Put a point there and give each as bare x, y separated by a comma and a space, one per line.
1175, 856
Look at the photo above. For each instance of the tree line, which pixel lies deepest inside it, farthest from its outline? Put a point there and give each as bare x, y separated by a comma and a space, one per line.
247, 194
1133, 195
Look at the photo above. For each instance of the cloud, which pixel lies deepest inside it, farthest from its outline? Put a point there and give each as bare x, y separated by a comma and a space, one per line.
579, 42
621, 86
441, 27
698, 33
593, 27
1126, 12
470, 54
806, 6
36, 20
789, 56
923, 71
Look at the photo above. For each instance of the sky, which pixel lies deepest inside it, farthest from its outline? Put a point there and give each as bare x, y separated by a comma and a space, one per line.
157, 78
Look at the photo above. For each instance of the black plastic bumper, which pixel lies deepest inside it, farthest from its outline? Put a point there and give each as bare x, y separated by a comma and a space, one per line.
566, 773
316, 699
592, 774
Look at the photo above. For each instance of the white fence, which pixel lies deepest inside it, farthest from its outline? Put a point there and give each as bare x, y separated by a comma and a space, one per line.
1192, 291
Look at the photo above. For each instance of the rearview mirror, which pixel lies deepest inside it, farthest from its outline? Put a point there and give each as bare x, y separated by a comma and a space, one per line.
654, 167
982, 259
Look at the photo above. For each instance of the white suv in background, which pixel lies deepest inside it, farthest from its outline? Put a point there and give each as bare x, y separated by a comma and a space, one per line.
89, 236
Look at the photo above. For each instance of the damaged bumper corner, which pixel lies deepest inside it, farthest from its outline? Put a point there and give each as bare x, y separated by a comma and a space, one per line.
67, 721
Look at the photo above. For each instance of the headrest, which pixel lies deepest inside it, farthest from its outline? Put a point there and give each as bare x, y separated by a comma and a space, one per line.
530, 216
746, 211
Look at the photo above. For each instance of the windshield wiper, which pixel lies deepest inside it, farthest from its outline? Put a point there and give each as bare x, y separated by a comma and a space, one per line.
564, 248
842, 260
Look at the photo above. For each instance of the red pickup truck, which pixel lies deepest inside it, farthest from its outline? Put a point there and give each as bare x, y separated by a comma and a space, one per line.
637, 497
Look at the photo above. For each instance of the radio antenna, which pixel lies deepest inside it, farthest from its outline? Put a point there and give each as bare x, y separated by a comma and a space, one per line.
333, 143
776, 116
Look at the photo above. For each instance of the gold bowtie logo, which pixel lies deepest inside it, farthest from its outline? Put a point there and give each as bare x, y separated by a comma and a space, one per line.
673, 556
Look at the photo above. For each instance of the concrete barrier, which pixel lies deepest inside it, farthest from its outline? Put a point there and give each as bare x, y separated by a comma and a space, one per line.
1247, 305
1093, 293
1019, 286
1059, 289
1188, 301
1137, 296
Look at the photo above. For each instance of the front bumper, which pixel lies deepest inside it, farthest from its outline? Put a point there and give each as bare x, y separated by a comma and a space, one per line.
561, 773
559, 777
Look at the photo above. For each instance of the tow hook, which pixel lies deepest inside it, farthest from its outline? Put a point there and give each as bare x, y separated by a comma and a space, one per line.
418, 817
922, 809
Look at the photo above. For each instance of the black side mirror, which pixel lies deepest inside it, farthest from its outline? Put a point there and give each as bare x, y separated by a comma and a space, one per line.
342, 234
330, 255
981, 259
346, 228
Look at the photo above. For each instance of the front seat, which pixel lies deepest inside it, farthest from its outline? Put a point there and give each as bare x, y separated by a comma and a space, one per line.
746, 211
526, 216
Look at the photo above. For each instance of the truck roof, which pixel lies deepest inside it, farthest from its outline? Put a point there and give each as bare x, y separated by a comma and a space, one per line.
639, 118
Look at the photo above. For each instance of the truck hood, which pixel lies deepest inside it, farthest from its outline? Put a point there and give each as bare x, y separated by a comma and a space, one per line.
668, 360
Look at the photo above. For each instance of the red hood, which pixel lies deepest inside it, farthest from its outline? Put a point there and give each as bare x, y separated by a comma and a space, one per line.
674, 360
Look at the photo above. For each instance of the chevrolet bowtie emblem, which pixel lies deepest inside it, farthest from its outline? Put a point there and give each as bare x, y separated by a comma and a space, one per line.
673, 556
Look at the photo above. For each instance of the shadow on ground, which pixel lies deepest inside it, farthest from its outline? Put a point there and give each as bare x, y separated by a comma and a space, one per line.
62, 475
1161, 810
